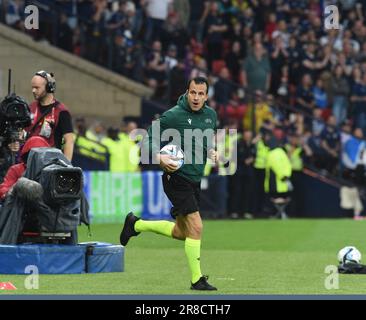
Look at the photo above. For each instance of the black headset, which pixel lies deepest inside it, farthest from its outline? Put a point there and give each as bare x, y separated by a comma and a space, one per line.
49, 77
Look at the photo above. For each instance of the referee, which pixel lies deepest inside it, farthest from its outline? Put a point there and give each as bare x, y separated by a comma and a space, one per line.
182, 186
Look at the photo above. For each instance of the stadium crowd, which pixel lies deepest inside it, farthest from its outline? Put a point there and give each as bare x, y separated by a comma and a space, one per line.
272, 65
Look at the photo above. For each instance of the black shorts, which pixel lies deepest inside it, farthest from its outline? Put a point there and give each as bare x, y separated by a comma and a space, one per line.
182, 193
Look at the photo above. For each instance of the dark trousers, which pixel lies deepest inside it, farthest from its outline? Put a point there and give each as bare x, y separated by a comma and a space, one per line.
258, 194
240, 193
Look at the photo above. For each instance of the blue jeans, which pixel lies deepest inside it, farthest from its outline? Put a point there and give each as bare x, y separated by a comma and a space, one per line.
340, 105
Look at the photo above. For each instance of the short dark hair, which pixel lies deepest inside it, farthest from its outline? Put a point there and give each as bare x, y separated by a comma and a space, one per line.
199, 80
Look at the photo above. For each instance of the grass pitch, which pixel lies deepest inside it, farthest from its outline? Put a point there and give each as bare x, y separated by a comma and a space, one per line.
241, 257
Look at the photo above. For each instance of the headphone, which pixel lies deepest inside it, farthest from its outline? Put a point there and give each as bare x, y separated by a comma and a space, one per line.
49, 77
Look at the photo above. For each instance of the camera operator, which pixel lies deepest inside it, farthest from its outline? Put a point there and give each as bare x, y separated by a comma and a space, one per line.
51, 118
35, 200
21, 197
8, 153
16, 171
14, 116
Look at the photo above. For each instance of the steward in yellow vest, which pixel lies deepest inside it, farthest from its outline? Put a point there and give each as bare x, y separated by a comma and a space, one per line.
294, 152
278, 171
117, 160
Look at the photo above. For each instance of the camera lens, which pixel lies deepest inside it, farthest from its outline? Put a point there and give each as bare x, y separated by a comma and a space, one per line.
67, 183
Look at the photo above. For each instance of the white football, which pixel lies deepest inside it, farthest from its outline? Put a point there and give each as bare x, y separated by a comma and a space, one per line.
349, 254
176, 152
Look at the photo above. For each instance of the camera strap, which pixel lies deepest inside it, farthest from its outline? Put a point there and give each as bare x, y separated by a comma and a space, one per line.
43, 116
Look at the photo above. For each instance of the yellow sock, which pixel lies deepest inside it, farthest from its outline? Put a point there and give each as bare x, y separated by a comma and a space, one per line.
161, 227
193, 249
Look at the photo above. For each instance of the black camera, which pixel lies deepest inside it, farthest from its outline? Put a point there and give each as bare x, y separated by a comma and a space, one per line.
61, 183
62, 186
60, 180
15, 115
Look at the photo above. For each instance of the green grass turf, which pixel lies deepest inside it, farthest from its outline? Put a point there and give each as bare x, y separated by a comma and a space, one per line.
241, 257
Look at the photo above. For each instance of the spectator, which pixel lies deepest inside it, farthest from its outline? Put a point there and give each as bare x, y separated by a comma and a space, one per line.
311, 64
182, 9
96, 131
236, 32
224, 88
118, 21
198, 12
234, 61
262, 112
199, 69
65, 36
132, 19
282, 33
330, 143
297, 150
239, 35
317, 123
283, 90
316, 157
256, 72
245, 173
247, 19
156, 68
279, 56
96, 32
358, 99
171, 57
271, 26
173, 33
305, 96
354, 150
294, 62
157, 12
339, 92
214, 30
15, 14
320, 96
177, 82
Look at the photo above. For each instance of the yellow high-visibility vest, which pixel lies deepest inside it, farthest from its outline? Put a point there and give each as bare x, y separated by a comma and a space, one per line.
279, 164
295, 157
261, 155
90, 148
117, 158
